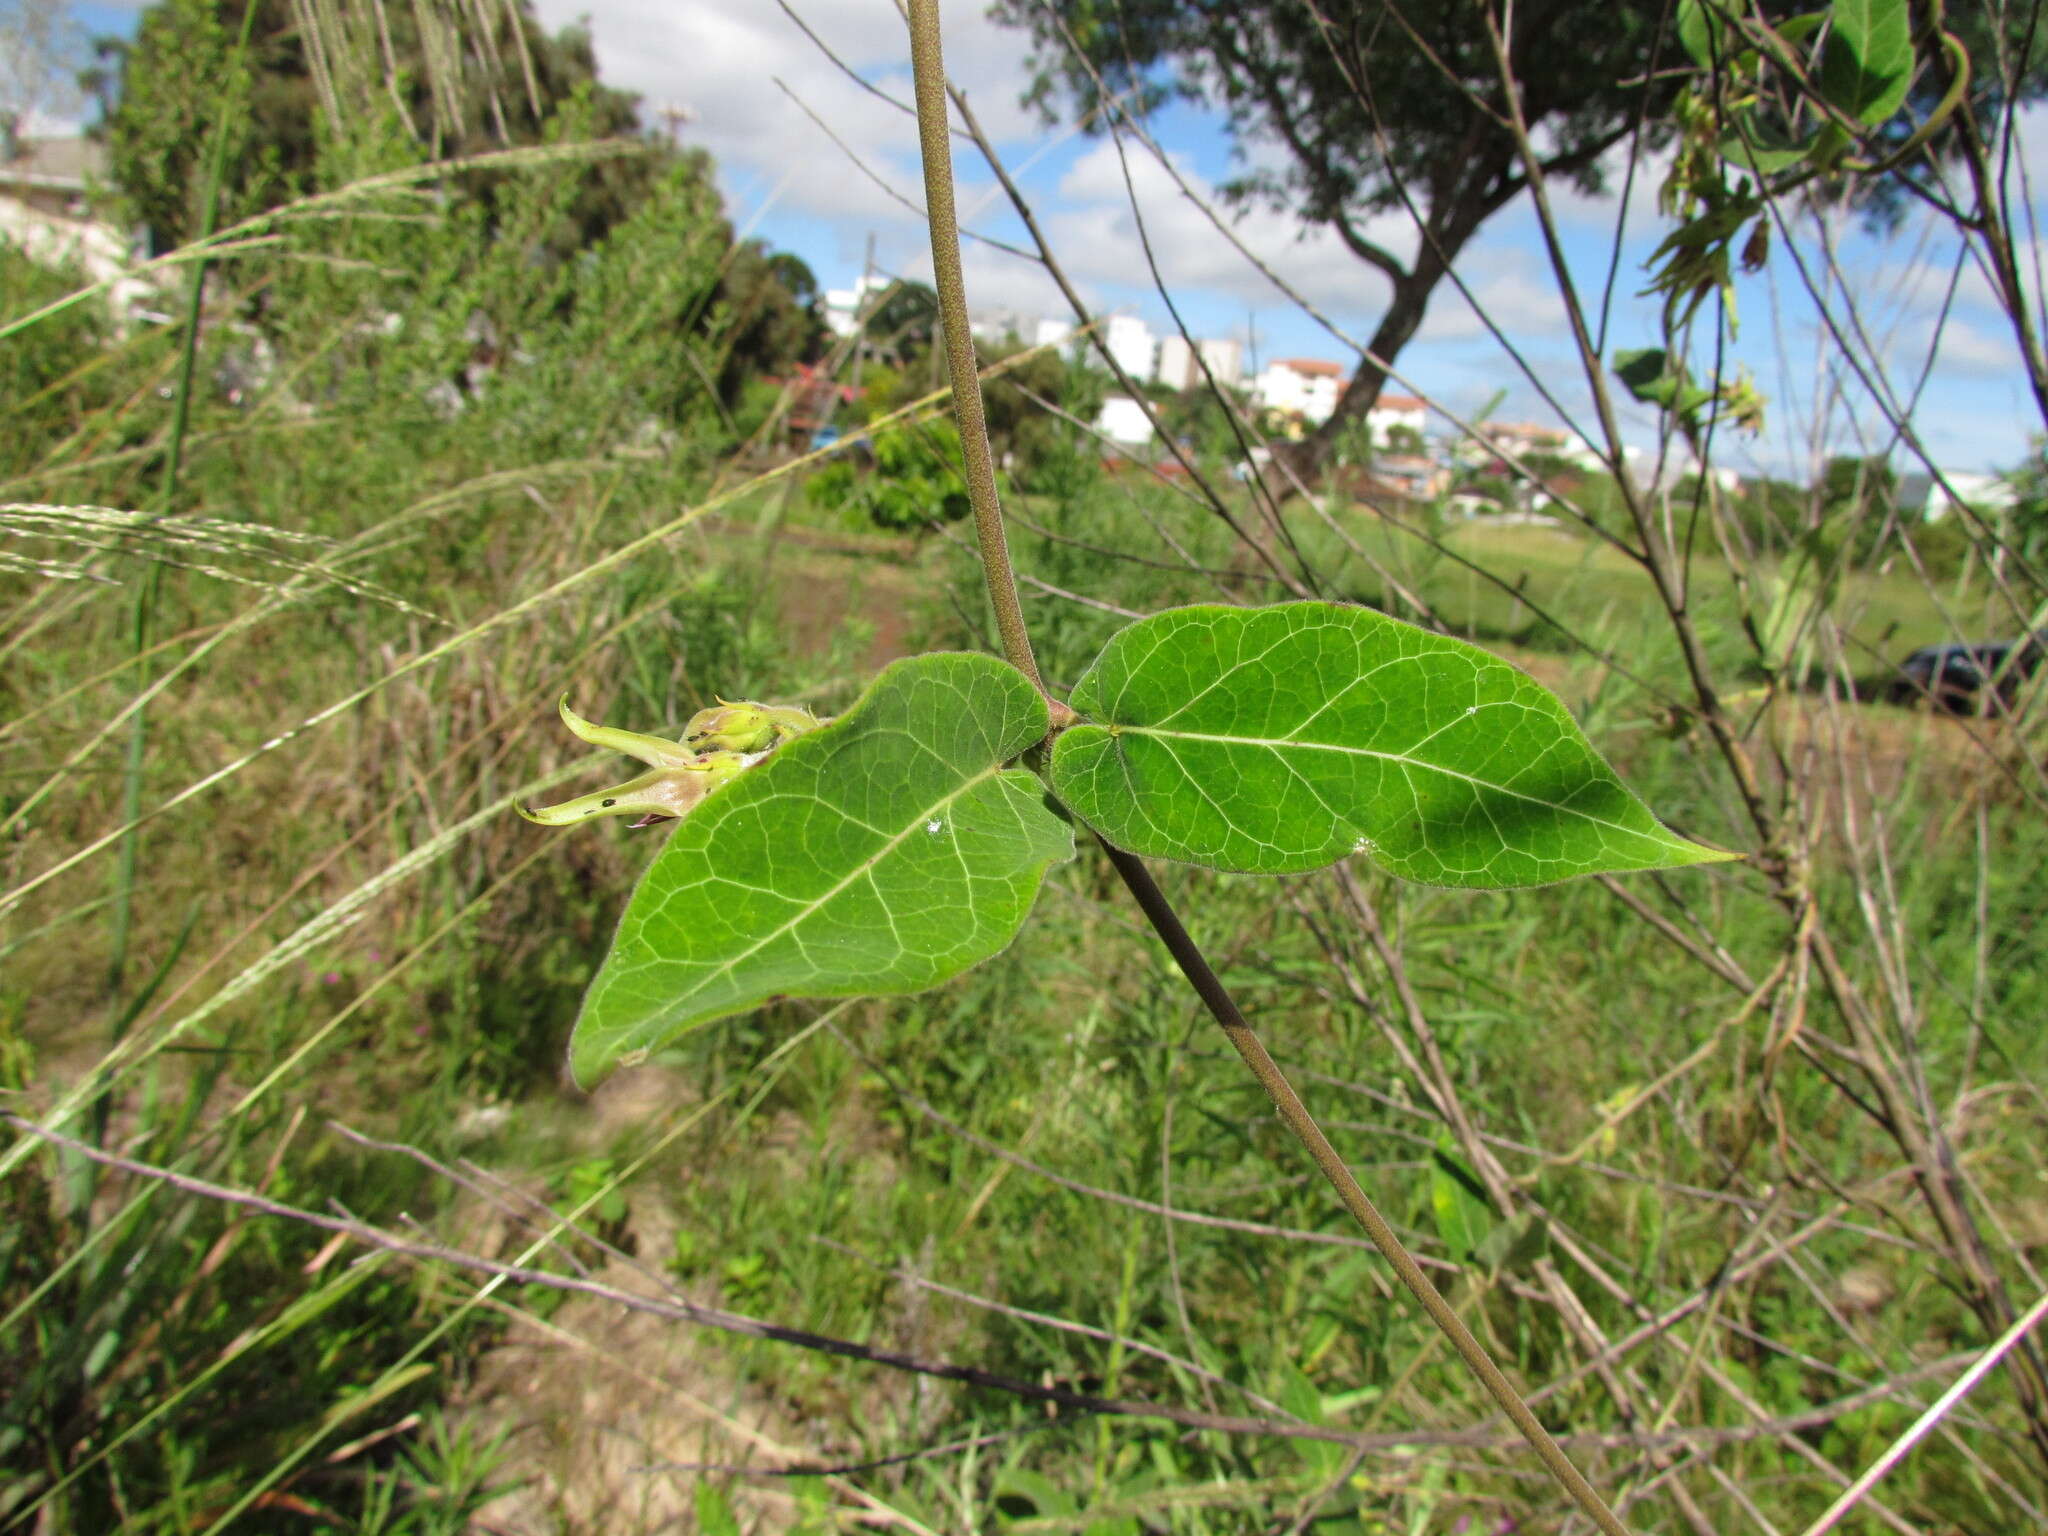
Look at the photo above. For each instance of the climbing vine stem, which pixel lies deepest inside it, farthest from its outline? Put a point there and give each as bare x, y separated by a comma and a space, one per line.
934, 130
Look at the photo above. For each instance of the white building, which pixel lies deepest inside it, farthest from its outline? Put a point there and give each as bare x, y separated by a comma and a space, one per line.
843, 306
46, 212
1391, 412
1921, 492
1181, 365
1052, 333
1225, 358
1131, 343
1177, 368
1123, 420
1303, 386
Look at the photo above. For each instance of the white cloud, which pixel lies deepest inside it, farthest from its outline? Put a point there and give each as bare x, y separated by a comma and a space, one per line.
722, 62
1095, 234
741, 71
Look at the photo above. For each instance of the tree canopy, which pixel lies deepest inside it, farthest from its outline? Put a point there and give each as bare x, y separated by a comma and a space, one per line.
1380, 108
457, 86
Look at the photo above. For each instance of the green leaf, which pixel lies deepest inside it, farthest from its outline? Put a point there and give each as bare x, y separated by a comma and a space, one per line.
1458, 1201
1284, 738
1866, 64
1647, 373
1703, 32
715, 1516
1513, 1246
1762, 150
883, 853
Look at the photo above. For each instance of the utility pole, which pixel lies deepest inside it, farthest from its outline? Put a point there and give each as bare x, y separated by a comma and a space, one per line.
860, 299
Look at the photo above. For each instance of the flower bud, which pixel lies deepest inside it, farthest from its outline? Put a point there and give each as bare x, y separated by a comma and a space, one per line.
746, 726
719, 744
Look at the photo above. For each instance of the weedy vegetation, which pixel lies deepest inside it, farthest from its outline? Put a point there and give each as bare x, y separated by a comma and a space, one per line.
1639, 986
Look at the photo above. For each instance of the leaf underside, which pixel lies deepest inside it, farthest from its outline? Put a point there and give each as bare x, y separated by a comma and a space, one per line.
881, 854
1867, 62
1281, 739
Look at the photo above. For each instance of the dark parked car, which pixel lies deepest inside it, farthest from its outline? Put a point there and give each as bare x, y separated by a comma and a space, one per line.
1970, 676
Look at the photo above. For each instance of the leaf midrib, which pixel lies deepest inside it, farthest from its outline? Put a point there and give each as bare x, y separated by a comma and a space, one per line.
857, 872
1274, 746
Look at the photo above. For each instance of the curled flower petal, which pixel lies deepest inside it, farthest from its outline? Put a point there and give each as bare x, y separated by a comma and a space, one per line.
651, 750
664, 792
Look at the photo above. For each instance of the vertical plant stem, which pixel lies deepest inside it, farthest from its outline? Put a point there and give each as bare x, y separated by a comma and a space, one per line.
147, 592
927, 60
933, 130
1296, 1117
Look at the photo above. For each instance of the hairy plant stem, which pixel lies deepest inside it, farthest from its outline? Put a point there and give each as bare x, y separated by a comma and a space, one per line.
929, 67
1296, 1117
933, 127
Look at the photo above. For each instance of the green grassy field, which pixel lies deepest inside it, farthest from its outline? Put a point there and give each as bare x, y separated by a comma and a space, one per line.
281, 932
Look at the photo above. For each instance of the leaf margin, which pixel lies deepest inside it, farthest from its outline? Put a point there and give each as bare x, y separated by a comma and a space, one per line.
595, 1051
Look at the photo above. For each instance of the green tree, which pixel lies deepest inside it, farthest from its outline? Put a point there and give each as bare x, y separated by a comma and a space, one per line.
1380, 107
913, 486
456, 86
1021, 431
771, 314
904, 323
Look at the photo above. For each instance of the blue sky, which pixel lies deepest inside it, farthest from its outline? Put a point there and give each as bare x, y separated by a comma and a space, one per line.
740, 69
745, 73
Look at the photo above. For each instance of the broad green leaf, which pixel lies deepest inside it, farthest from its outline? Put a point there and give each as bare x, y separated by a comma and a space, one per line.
1652, 379
1761, 150
1284, 738
883, 853
1648, 374
1795, 30
1458, 1202
1866, 64
1703, 33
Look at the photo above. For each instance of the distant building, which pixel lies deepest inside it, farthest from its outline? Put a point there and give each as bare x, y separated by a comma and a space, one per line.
1935, 499
997, 325
1052, 333
46, 209
1131, 343
844, 306
1414, 475
1390, 412
1302, 386
1177, 368
1123, 420
1225, 359
1522, 438
1182, 366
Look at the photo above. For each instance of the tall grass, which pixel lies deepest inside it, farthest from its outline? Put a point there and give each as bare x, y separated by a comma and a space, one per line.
427, 486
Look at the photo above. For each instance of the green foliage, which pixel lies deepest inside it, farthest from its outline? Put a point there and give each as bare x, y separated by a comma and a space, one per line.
470, 314
1285, 738
905, 324
815, 1185
1457, 1200
454, 88
888, 852
912, 485
881, 854
1866, 64
1846, 95
55, 374
1381, 108
771, 320
164, 1352
1023, 434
